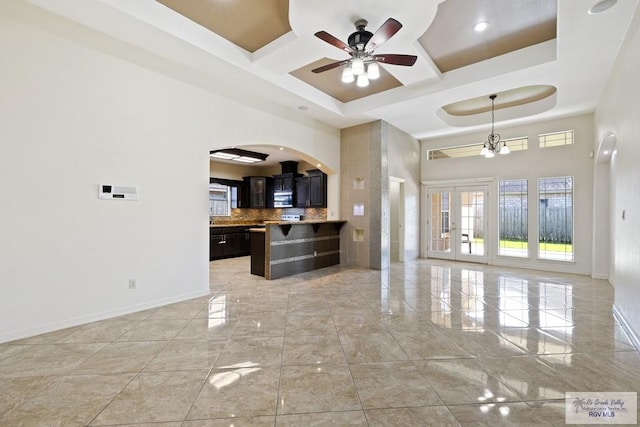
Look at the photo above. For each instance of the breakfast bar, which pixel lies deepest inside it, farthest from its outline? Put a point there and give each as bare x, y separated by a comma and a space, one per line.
285, 248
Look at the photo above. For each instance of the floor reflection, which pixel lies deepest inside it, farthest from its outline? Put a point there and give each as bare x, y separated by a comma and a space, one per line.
419, 343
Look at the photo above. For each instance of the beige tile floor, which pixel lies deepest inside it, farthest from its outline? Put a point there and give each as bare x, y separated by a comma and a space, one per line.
428, 343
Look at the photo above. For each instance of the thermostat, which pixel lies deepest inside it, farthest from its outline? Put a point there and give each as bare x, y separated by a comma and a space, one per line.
112, 192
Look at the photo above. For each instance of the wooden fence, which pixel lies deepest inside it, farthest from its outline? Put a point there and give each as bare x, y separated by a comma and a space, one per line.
555, 224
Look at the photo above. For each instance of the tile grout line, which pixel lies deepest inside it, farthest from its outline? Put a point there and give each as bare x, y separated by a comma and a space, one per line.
344, 353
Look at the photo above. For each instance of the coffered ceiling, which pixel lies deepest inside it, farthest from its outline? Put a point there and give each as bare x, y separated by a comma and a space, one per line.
544, 58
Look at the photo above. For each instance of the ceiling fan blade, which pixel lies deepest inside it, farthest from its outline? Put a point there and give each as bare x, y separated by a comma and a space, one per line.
330, 66
323, 35
384, 33
407, 60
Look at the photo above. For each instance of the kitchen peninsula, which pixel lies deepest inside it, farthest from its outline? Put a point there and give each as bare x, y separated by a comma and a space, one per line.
285, 248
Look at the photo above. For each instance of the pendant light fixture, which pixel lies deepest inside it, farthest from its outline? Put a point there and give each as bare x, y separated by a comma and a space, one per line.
493, 143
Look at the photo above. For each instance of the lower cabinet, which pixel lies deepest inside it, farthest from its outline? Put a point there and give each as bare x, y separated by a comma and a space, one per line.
228, 242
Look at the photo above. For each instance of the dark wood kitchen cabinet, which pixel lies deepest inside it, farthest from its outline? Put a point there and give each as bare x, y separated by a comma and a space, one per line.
260, 191
216, 247
311, 190
317, 188
228, 242
302, 192
283, 182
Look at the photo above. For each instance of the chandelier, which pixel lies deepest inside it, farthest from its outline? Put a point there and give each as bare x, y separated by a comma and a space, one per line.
493, 143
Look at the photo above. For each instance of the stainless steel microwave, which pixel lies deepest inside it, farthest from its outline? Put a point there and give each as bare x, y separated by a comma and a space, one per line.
283, 199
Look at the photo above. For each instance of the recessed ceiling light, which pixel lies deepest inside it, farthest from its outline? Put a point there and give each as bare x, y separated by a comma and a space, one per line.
606, 151
480, 26
281, 149
601, 6
319, 165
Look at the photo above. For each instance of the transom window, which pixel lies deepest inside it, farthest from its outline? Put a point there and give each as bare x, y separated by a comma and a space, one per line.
514, 144
556, 139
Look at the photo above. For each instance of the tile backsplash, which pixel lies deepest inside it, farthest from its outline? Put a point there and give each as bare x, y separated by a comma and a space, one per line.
239, 216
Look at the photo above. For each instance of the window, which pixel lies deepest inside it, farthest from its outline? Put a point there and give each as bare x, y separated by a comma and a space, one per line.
452, 152
515, 144
556, 139
555, 218
219, 200
513, 218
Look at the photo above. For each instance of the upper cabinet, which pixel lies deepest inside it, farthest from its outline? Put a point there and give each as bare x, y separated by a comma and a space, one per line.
260, 189
311, 191
290, 188
302, 192
283, 182
317, 188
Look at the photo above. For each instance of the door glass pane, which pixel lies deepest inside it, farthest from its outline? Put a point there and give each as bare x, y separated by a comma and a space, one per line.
472, 226
440, 222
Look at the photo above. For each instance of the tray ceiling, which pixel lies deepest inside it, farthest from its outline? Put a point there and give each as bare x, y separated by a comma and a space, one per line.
262, 52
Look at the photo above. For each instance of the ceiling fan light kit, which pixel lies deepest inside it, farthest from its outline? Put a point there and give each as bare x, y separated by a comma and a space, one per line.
363, 64
363, 80
347, 75
373, 71
357, 66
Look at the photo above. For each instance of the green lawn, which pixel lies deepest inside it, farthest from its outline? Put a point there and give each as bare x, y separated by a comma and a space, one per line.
550, 247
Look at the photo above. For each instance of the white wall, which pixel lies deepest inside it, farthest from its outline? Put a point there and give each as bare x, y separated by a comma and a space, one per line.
618, 111
404, 163
74, 117
601, 250
228, 171
572, 160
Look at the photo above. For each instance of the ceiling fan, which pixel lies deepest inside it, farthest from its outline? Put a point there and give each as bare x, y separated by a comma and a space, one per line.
363, 64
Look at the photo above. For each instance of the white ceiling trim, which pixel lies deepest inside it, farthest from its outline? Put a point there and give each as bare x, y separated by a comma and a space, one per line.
579, 63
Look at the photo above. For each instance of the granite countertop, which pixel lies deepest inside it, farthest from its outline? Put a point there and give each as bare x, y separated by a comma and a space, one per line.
263, 224
252, 224
310, 221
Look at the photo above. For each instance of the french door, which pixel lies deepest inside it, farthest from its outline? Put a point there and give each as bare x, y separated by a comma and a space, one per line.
457, 223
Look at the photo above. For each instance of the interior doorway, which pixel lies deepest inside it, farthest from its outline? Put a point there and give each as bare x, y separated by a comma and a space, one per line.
457, 223
396, 215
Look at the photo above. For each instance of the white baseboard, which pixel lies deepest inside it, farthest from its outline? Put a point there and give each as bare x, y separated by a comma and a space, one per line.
94, 317
629, 332
600, 276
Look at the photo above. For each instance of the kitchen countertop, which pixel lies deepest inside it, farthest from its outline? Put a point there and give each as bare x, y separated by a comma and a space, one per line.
263, 224
310, 221
253, 224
